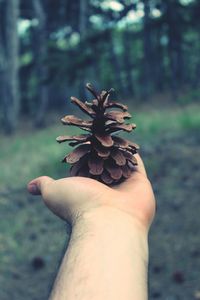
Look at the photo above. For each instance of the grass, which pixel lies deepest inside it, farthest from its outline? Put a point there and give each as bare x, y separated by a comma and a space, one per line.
156, 121
31, 154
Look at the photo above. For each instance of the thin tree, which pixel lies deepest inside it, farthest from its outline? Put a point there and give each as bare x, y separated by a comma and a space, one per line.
40, 54
10, 65
128, 62
147, 46
174, 21
116, 64
83, 19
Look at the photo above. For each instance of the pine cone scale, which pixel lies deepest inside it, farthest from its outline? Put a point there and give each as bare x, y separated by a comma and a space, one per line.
101, 151
72, 120
75, 168
114, 171
106, 178
105, 140
79, 152
95, 165
116, 127
126, 171
83, 107
117, 105
133, 145
119, 142
85, 128
117, 116
65, 138
118, 157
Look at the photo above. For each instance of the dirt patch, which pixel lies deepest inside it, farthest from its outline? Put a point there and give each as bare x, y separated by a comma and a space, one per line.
174, 269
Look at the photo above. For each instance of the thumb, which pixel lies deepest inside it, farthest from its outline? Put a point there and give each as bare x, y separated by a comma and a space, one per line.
54, 193
37, 185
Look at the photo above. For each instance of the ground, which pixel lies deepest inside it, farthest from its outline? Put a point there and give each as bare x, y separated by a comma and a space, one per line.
32, 240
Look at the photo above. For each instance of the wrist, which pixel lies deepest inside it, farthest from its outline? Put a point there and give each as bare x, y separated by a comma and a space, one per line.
113, 222
106, 215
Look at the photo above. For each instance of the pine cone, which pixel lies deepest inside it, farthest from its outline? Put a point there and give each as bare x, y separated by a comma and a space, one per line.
100, 154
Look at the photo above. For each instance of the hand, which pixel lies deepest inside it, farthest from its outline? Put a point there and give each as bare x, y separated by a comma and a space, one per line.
69, 198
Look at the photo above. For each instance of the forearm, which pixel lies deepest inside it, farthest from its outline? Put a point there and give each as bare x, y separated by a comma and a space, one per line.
106, 259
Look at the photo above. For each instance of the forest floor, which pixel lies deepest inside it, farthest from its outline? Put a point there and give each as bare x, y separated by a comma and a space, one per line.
32, 240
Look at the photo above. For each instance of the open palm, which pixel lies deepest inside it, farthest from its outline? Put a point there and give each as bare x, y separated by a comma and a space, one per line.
70, 197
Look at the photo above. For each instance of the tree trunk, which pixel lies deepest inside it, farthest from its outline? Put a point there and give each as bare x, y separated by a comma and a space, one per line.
147, 45
116, 66
9, 67
2, 61
159, 66
175, 48
128, 64
40, 54
83, 18
82, 30
3, 104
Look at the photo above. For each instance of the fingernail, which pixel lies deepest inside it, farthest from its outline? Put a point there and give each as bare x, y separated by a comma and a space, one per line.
33, 189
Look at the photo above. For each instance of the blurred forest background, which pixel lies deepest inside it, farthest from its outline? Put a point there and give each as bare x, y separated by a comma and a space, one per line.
149, 52
48, 49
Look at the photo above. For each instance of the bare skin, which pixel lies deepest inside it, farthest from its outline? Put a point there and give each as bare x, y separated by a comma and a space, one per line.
107, 256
